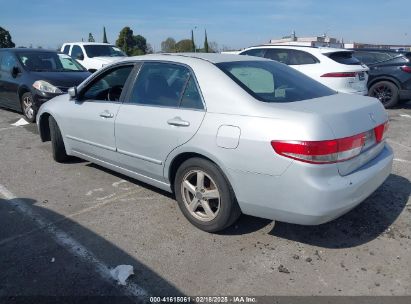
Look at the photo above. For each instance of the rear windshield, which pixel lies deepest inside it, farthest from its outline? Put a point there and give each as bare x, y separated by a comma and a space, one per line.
270, 81
344, 58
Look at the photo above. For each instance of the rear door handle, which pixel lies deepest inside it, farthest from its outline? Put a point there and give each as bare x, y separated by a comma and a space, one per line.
106, 114
177, 121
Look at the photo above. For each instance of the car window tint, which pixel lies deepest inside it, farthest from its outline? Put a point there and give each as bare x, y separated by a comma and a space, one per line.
76, 51
66, 49
160, 84
343, 58
254, 52
301, 57
8, 62
279, 55
191, 97
109, 85
269, 81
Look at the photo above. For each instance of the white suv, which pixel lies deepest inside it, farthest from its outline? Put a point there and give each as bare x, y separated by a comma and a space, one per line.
335, 68
92, 55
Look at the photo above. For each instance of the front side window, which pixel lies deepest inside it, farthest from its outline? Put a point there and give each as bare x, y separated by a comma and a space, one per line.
103, 51
272, 82
8, 62
49, 62
165, 84
109, 85
76, 52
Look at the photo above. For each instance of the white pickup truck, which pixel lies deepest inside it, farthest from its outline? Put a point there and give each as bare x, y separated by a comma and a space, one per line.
92, 55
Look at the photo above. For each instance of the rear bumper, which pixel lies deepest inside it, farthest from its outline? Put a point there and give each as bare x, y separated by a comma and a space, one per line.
360, 92
308, 194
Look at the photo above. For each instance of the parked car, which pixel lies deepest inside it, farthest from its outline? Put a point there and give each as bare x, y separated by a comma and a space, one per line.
92, 55
30, 77
227, 134
389, 76
335, 68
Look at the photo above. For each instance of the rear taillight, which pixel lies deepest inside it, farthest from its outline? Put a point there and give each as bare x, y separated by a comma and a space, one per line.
340, 74
327, 151
406, 68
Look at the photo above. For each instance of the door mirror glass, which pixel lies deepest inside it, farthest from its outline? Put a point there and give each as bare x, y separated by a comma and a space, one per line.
72, 92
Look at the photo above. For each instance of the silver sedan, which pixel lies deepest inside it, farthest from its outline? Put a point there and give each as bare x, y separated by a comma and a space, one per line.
227, 134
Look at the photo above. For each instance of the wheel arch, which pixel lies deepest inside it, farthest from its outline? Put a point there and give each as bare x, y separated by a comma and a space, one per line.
178, 159
384, 78
44, 128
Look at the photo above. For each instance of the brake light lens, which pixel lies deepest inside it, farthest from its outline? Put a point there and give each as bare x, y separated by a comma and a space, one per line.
328, 151
340, 74
406, 68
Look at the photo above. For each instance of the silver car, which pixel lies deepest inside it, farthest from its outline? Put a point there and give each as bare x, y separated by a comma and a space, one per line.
228, 134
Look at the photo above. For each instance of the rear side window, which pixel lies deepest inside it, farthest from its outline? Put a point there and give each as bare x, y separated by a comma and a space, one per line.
343, 58
375, 57
8, 62
279, 55
66, 49
269, 81
301, 57
254, 52
166, 84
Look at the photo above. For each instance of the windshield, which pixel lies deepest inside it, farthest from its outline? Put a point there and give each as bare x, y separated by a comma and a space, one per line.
270, 81
49, 62
103, 51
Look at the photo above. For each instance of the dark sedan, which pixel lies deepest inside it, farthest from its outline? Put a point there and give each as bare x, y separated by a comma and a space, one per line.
389, 76
30, 77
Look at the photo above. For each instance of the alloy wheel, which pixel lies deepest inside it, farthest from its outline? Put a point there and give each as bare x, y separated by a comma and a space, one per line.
383, 93
200, 195
28, 107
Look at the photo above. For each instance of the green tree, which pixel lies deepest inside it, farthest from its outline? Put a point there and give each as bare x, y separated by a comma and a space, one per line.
205, 42
90, 37
104, 35
5, 39
185, 45
130, 44
193, 45
168, 45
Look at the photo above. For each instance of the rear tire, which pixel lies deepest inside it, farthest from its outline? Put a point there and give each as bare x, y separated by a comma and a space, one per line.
204, 195
27, 107
386, 91
57, 143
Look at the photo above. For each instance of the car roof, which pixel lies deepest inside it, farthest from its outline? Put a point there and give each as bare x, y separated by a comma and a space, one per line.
87, 43
311, 49
185, 57
32, 50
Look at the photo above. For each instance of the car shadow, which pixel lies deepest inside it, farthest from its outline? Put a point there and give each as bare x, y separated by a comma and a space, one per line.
34, 264
359, 226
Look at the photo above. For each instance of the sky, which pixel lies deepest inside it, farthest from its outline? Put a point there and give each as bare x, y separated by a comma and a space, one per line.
234, 24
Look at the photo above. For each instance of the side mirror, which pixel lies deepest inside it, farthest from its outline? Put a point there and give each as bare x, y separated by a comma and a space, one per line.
72, 92
80, 57
15, 71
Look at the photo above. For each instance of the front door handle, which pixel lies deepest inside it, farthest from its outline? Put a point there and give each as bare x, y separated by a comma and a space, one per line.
177, 121
106, 114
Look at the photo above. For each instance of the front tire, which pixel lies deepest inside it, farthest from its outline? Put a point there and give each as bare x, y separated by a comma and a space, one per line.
204, 195
386, 91
27, 106
57, 143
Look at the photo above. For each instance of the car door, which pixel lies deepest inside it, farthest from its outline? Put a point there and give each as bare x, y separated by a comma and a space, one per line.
9, 83
307, 64
89, 120
163, 111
